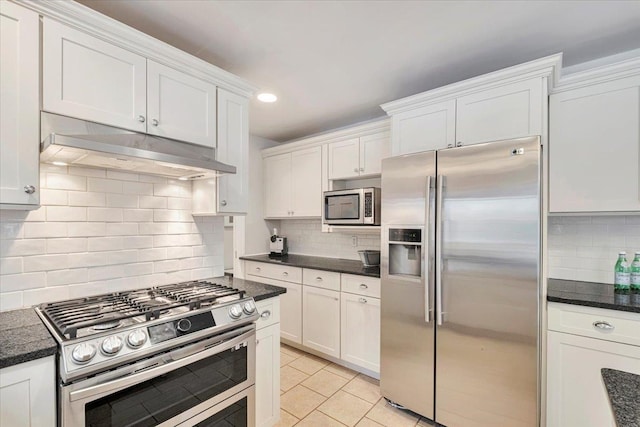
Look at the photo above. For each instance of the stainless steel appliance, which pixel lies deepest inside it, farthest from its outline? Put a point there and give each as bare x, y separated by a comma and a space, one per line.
278, 246
358, 206
460, 270
84, 143
179, 354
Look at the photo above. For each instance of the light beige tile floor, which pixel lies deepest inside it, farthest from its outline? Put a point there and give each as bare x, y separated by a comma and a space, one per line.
318, 393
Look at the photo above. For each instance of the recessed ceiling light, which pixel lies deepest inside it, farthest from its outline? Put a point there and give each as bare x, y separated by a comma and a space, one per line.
267, 97
59, 163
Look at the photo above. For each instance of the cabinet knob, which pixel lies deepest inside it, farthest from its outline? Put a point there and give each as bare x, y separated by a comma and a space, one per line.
155, 122
258, 269
29, 189
355, 169
361, 169
141, 119
605, 326
459, 144
223, 203
363, 286
265, 314
362, 300
319, 279
449, 145
284, 273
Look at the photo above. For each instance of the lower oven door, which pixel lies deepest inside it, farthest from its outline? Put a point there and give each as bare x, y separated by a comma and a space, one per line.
237, 411
167, 389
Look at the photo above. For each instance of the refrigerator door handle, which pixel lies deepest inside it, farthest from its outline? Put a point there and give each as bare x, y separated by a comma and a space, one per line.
439, 261
425, 248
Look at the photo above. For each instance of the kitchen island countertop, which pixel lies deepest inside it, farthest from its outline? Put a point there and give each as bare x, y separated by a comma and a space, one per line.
591, 294
23, 338
623, 389
338, 265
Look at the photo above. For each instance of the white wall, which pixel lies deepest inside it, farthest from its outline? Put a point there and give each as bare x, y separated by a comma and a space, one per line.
305, 237
102, 231
586, 247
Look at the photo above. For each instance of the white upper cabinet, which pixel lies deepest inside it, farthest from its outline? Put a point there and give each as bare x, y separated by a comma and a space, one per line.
87, 78
510, 111
19, 107
358, 157
293, 184
594, 148
180, 106
233, 149
427, 128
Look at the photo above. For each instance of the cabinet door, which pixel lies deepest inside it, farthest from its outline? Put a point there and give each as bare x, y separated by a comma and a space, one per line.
373, 148
268, 375
277, 185
344, 159
28, 392
321, 320
426, 128
19, 105
87, 78
233, 149
576, 394
360, 331
510, 111
306, 182
592, 130
291, 312
180, 106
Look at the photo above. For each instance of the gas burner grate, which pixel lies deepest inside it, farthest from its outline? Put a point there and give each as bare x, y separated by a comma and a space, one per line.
70, 316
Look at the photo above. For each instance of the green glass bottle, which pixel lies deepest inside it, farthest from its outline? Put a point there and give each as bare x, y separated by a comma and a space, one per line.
635, 273
622, 279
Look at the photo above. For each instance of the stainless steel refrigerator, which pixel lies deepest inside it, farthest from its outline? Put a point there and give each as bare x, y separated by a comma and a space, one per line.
460, 270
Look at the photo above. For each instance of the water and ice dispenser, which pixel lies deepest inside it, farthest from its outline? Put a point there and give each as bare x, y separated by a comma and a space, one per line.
405, 252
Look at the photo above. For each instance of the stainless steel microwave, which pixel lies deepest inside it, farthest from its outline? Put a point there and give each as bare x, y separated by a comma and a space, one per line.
358, 206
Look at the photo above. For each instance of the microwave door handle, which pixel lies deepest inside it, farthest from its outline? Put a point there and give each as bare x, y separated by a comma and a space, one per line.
152, 371
425, 247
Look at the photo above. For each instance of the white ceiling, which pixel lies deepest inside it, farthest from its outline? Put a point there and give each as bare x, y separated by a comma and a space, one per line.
332, 63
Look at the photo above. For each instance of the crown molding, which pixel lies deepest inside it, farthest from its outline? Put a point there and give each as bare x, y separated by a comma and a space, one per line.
101, 26
600, 74
548, 66
341, 134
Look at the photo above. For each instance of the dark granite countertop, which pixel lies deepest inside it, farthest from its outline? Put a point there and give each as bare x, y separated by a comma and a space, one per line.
338, 265
23, 338
623, 389
257, 290
591, 294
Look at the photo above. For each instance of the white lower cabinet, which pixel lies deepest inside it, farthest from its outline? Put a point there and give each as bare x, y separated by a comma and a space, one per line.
268, 363
360, 330
576, 394
321, 320
28, 394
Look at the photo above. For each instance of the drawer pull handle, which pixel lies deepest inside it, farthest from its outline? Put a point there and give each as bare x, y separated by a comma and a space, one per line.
319, 279
363, 286
285, 273
258, 269
265, 314
362, 300
601, 324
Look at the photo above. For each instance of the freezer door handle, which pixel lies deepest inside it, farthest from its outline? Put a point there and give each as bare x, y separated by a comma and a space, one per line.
425, 248
439, 261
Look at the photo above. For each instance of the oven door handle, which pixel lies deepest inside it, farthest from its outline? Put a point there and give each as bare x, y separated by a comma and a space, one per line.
168, 362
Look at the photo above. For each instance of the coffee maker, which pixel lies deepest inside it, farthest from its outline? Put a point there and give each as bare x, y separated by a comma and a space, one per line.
277, 245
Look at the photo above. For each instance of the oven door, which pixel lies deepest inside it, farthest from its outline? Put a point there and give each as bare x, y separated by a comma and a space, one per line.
167, 389
237, 411
343, 207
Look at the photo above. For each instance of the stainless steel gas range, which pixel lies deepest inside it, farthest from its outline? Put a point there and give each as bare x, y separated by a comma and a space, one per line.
181, 354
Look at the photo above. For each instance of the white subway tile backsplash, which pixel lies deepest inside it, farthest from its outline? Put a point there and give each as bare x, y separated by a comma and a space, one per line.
586, 247
96, 233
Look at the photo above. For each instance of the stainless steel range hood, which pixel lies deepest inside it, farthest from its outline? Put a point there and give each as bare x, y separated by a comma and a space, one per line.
83, 143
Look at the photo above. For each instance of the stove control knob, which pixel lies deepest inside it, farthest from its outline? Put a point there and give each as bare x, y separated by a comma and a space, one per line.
183, 325
235, 311
83, 353
111, 345
136, 338
249, 307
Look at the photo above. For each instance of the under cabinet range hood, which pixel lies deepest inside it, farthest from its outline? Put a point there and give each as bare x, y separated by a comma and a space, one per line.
70, 141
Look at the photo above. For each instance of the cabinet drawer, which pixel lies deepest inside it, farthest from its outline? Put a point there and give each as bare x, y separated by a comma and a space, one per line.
269, 310
321, 279
361, 285
273, 271
618, 326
